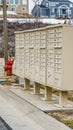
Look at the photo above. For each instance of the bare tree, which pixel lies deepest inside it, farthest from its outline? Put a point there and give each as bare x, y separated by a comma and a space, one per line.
5, 39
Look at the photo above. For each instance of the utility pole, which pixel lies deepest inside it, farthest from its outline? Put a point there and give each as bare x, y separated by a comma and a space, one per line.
5, 37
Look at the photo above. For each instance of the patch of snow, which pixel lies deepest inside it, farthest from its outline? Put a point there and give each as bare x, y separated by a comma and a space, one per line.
8, 12
52, 21
43, 20
25, 20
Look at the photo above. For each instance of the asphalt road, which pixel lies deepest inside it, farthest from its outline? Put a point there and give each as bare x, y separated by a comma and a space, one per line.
4, 125
20, 115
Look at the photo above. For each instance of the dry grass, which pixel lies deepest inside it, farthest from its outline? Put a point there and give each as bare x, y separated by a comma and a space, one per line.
64, 117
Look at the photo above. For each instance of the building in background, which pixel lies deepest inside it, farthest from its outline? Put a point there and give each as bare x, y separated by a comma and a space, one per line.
42, 8
54, 9
32, 4
17, 6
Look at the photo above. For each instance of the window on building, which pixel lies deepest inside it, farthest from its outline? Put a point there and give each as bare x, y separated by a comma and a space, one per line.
11, 1
14, 2
52, 10
71, 5
46, 4
17, 2
13, 9
24, 1
52, 4
69, 12
24, 9
0, 1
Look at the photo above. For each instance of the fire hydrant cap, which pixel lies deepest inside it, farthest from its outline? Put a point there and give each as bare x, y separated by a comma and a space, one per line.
9, 62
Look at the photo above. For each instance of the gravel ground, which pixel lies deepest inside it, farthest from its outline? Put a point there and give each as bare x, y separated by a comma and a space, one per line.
64, 117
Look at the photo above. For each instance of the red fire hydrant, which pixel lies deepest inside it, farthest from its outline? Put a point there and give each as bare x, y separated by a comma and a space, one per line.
8, 67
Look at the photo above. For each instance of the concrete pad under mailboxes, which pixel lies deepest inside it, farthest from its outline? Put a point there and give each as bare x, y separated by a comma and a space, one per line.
36, 100
68, 106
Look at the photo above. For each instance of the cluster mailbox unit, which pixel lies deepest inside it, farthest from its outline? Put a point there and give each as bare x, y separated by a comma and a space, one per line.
2, 63
45, 56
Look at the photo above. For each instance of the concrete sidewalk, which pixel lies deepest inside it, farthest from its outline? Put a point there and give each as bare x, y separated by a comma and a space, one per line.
37, 100
21, 115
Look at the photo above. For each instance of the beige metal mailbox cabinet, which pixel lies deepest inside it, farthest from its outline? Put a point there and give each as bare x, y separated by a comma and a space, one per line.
2, 63
60, 57
18, 67
45, 56
40, 56
60, 60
